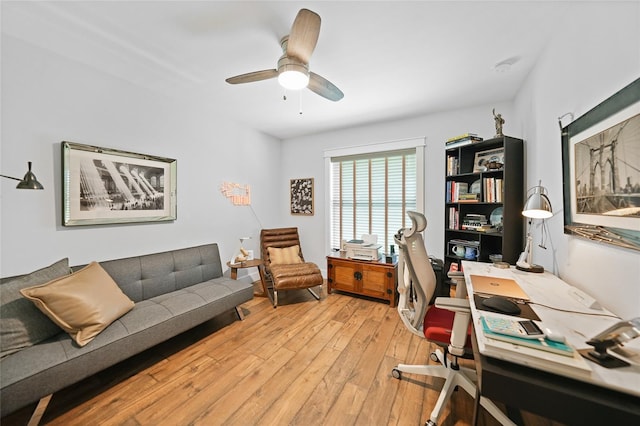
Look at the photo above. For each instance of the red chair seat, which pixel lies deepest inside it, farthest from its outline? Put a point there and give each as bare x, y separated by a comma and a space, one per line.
437, 326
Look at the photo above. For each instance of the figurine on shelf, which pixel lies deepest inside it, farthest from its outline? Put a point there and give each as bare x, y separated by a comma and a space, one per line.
499, 122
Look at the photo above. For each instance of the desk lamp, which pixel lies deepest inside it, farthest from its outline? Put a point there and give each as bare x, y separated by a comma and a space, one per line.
29, 180
537, 206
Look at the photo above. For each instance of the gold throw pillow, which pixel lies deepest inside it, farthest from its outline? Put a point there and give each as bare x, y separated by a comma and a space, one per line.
83, 303
284, 256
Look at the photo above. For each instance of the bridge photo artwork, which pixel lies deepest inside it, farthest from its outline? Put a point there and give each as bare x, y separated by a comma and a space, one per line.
601, 171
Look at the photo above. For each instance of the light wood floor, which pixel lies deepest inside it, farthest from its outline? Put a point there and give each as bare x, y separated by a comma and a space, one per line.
304, 363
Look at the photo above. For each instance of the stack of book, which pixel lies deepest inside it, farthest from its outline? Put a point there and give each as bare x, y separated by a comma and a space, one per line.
493, 190
456, 191
453, 218
474, 221
452, 165
463, 139
468, 198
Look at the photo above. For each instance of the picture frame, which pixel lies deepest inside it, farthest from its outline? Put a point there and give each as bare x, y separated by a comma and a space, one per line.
301, 196
109, 186
495, 155
601, 171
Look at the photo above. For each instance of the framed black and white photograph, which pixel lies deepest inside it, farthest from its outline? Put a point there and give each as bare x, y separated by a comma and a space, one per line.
492, 158
601, 171
107, 186
301, 197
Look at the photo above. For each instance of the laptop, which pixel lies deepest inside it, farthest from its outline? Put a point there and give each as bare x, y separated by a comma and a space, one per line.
493, 286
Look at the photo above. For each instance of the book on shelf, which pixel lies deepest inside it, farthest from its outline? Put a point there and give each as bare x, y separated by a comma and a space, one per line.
468, 198
473, 222
462, 142
462, 136
466, 243
493, 190
455, 189
487, 229
453, 218
452, 165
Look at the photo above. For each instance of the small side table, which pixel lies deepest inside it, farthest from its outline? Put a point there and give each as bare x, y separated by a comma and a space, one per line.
253, 263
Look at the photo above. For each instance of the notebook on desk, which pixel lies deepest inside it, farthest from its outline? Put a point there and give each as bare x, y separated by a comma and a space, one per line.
504, 287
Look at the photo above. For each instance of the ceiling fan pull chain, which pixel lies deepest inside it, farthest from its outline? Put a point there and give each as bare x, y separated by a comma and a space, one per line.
300, 94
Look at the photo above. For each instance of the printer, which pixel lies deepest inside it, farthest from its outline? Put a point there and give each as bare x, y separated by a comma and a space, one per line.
365, 249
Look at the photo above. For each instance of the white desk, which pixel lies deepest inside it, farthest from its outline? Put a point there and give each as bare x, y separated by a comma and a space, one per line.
543, 385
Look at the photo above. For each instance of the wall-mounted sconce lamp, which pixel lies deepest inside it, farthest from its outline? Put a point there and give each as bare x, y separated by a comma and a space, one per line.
29, 180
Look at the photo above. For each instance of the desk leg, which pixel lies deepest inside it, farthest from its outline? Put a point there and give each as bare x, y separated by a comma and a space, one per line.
515, 415
476, 406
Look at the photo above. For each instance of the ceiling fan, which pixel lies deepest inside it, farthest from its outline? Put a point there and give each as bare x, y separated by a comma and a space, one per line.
293, 66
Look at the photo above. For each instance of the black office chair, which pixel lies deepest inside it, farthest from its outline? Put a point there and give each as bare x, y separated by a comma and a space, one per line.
446, 323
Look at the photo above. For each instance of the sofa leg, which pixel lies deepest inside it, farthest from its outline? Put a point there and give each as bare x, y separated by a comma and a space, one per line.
39, 411
239, 312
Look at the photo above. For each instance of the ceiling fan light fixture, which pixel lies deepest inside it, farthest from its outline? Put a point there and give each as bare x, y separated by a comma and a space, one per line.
293, 77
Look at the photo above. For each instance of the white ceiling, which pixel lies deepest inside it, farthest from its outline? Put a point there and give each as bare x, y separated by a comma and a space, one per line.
390, 58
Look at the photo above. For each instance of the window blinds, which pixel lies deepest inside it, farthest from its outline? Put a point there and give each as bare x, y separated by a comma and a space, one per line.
371, 193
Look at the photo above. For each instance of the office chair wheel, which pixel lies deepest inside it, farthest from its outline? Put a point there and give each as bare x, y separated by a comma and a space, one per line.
396, 374
434, 357
429, 423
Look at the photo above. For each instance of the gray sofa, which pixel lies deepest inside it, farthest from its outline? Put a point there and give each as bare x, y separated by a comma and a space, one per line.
173, 291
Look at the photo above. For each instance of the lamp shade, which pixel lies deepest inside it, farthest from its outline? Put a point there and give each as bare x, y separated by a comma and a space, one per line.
29, 180
293, 76
537, 205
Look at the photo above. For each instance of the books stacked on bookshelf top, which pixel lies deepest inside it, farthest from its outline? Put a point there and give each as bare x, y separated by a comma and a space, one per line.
463, 139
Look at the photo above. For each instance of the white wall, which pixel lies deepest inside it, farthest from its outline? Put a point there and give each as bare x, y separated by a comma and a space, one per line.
593, 56
47, 99
304, 157
596, 54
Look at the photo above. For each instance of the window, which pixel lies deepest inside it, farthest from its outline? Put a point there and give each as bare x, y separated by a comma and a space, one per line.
370, 193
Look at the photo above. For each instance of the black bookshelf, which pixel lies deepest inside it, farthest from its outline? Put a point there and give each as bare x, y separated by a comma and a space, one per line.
493, 170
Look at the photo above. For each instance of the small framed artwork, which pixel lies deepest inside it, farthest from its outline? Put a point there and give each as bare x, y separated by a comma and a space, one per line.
490, 159
107, 186
601, 171
301, 197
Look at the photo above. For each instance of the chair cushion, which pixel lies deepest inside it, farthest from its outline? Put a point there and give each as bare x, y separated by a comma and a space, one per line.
83, 303
21, 323
285, 255
300, 275
437, 326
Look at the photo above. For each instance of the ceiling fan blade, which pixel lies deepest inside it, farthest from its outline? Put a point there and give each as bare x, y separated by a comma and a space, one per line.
324, 87
252, 76
304, 35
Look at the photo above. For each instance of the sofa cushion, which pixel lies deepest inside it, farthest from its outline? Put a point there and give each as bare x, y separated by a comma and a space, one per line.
83, 303
285, 255
21, 323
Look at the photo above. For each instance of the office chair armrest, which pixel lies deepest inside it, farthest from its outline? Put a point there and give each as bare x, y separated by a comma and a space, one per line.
453, 304
460, 324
